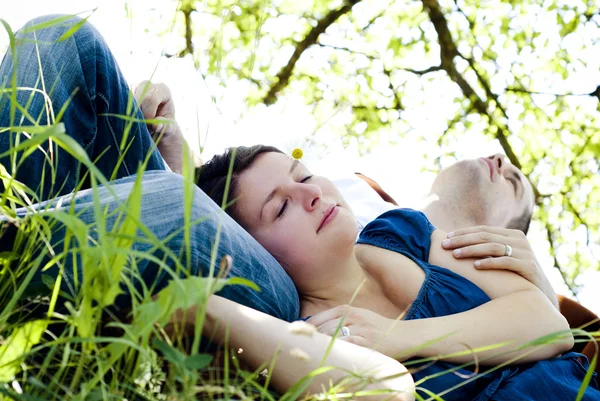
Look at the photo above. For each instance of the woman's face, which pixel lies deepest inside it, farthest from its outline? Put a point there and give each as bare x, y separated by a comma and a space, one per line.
301, 219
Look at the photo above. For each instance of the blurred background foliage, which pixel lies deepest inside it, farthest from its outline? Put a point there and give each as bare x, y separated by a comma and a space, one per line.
446, 74
523, 73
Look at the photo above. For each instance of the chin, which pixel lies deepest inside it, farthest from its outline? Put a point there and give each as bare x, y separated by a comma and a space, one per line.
462, 176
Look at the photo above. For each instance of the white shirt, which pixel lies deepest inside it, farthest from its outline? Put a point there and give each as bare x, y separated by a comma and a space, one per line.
366, 204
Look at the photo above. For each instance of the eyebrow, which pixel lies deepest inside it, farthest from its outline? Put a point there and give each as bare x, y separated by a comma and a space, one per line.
273, 192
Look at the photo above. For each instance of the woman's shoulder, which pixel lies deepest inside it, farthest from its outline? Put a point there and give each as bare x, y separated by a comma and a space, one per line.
401, 230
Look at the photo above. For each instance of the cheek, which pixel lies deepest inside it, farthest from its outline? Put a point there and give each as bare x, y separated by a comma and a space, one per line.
287, 245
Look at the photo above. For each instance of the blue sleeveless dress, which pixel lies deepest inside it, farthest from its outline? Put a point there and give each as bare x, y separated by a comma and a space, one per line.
444, 293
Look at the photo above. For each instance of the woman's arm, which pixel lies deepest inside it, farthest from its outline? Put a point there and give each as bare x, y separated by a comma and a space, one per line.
261, 336
488, 246
517, 313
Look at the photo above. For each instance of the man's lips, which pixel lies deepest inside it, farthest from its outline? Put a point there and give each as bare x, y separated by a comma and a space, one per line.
328, 216
491, 166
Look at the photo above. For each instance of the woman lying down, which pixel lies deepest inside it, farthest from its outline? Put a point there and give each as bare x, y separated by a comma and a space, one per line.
411, 299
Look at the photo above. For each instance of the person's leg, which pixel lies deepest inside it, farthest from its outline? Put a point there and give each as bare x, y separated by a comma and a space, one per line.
162, 214
81, 74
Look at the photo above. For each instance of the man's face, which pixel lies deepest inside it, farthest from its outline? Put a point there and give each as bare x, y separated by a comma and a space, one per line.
490, 190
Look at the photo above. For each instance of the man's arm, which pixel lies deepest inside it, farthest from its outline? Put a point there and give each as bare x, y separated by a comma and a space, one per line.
156, 104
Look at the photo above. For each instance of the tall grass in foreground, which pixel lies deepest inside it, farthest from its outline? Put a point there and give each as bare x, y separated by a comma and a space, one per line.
69, 343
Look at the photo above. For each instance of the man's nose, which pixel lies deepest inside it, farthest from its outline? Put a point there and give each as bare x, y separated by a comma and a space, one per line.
499, 161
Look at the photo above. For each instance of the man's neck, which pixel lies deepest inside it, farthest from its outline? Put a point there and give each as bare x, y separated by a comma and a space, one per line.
445, 215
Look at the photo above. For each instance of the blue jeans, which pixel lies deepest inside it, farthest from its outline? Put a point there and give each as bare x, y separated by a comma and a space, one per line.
82, 74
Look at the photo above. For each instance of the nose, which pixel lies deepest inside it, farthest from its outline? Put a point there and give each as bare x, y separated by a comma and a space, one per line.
311, 196
498, 160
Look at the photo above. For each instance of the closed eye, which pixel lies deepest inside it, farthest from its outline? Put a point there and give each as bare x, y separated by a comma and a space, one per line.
282, 210
285, 203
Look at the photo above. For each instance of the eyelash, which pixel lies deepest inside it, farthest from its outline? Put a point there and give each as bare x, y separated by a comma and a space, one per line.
282, 210
514, 184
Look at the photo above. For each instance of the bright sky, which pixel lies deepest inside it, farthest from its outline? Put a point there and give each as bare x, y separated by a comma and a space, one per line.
398, 168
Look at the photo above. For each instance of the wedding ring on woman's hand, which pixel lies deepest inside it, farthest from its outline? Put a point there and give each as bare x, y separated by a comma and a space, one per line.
345, 331
508, 251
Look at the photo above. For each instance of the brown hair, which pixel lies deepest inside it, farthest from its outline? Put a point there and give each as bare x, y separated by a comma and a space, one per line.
212, 176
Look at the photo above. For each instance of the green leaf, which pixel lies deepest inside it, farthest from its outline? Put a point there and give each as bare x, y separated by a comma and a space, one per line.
198, 361
72, 30
18, 345
170, 353
244, 282
588, 376
48, 281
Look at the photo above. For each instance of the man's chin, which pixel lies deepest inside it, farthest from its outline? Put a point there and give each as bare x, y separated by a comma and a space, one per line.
465, 177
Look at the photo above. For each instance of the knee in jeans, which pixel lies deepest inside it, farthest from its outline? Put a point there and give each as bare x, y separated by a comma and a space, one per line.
58, 25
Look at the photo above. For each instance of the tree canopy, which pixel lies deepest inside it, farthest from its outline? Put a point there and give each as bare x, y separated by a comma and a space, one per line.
524, 73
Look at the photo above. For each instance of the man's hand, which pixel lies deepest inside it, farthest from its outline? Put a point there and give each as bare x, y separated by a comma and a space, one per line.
156, 104
489, 246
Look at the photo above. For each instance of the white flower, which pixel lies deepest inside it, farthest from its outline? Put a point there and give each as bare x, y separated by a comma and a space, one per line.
300, 354
302, 328
310, 152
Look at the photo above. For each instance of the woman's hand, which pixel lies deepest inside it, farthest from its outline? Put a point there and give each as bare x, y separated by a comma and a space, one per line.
365, 328
502, 249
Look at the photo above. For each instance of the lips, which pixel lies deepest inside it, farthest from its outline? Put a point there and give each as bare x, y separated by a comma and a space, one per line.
327, 216
491, 166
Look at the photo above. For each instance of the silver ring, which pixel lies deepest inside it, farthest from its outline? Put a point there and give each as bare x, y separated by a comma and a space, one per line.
508, 251
345, 331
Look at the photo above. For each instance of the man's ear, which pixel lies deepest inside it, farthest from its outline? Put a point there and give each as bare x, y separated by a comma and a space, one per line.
377, 188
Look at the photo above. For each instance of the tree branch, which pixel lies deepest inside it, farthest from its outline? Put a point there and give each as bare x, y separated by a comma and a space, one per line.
530, 92
187, 8
397, 100
283, 76
428, 70
448, 52
549, 231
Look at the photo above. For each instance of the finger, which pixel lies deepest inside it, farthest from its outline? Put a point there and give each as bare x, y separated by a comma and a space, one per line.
358, 340
150, 103
503, 263
162, 127
506, 232
336, 329
481, 237
159, 102
493, 249
167, 106
330, 327
141, 89
333, 313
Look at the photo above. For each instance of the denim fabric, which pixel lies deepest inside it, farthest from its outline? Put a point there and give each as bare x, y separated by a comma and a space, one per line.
80, 70
162, 214
83, 68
